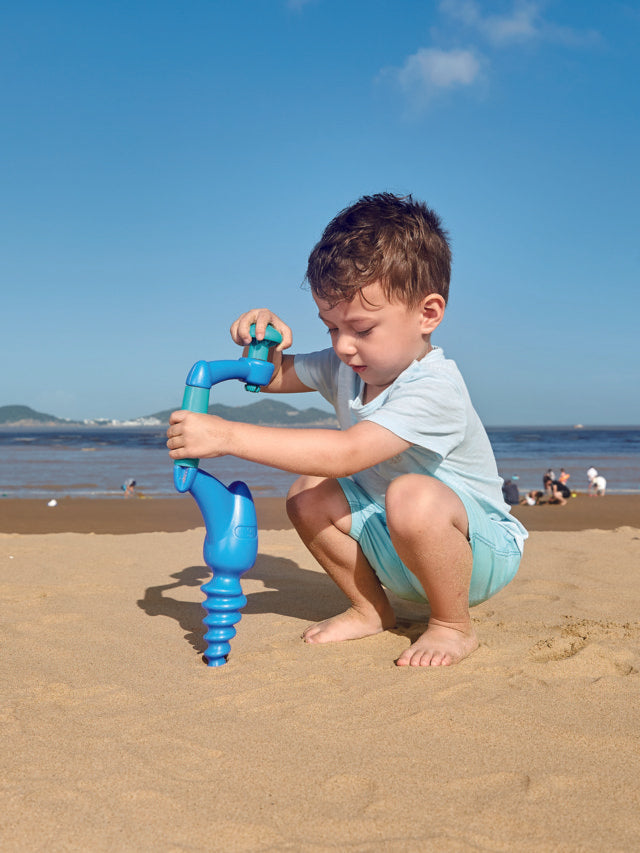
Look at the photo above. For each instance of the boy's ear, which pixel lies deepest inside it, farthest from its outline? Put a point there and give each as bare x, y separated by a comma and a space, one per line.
432, 307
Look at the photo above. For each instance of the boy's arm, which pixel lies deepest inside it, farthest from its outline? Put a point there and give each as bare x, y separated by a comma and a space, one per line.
285, 379
316, 452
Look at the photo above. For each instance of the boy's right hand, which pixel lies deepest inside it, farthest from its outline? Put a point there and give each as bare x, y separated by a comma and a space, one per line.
262, 317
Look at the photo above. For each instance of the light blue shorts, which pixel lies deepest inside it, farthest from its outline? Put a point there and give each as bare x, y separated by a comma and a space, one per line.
496, 556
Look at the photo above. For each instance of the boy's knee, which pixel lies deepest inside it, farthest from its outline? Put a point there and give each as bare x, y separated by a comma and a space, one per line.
415, 502
298, 498
305, 496
410, 493
315, 499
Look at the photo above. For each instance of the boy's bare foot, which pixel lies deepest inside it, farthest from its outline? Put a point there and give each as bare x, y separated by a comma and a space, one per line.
441, 644
350, 625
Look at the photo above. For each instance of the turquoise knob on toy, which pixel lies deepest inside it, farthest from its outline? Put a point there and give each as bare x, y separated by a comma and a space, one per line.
260, 349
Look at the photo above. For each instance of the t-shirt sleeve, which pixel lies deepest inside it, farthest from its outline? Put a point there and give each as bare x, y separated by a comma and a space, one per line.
319, 370
429, 412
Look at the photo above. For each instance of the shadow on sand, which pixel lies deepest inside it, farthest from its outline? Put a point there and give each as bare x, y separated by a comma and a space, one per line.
289, 591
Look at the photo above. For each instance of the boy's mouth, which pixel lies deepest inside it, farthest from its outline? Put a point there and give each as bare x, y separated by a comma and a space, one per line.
358, 368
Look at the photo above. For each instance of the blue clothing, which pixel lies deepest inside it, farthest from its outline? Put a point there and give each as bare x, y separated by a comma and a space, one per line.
428, 405
496, 555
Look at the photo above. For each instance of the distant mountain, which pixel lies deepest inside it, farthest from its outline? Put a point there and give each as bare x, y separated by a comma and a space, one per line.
266, 412
27, 416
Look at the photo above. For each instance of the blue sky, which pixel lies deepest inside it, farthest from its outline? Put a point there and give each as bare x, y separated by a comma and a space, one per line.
167, 165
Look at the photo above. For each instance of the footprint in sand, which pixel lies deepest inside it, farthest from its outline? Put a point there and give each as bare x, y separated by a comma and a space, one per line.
581, 650
557, 648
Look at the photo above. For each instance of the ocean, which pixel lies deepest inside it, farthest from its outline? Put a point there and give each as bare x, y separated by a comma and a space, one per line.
78, 461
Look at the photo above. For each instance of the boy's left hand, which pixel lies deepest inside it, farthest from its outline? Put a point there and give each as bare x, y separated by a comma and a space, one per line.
192, 435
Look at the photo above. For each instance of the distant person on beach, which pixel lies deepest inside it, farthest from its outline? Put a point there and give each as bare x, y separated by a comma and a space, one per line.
547, 482
407, 493
564, 477
532, 498
128, 487
599, 485
592, 473
510, 491
559, 493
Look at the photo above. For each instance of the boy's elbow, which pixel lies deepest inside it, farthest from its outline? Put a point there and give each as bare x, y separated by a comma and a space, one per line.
335, 472
344, 461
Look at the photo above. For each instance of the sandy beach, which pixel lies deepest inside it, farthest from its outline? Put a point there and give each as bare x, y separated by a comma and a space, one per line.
118, 738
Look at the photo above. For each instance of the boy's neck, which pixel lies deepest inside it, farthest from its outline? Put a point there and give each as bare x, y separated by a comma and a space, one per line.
370, 392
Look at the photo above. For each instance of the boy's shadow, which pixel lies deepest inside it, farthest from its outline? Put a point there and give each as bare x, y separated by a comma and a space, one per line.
289, 591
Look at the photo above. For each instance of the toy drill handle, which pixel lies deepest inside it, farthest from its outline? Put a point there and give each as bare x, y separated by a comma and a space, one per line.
195, 400
205, 374
184, 471
260, 349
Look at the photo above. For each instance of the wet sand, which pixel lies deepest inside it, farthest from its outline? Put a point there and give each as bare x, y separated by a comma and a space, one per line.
146, 515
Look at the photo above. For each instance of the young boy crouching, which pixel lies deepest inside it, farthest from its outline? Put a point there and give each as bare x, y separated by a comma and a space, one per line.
406, 496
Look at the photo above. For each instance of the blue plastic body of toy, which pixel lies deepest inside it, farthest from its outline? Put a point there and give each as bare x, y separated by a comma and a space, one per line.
231, 540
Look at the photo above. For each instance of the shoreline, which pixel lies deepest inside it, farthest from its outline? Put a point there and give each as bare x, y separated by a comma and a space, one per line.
171, 515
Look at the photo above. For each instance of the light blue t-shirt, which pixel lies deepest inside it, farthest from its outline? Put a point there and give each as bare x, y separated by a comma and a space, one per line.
428, 405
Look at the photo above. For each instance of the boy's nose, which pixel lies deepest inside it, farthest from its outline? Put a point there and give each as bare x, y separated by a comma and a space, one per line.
345, 345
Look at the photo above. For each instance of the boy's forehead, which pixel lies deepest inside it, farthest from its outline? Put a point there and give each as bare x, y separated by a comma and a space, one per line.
368, 299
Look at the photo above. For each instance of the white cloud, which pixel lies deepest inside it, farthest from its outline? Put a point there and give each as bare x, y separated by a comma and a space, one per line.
524, 22
521, 24
430, 69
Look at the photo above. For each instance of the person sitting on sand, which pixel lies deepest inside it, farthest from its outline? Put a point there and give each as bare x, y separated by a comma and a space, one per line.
532, 498
407, 493
559, 494
599, 485
510, 491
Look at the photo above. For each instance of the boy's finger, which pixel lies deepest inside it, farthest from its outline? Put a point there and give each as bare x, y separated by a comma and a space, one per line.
242, 326
287, 338
262, 321
233, 331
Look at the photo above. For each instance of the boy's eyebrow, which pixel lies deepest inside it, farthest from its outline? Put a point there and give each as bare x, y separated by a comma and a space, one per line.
353, 321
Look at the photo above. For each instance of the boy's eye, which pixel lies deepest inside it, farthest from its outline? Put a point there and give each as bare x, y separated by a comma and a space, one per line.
363, 333
331, 331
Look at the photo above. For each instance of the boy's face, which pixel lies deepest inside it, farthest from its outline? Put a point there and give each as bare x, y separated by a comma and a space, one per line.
379, 339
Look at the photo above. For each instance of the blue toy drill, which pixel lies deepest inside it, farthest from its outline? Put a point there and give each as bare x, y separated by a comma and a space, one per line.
231, 540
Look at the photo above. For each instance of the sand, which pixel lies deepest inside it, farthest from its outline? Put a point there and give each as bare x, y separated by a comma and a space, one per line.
116, 737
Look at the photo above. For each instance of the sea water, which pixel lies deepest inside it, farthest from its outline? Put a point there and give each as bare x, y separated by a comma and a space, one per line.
79, 461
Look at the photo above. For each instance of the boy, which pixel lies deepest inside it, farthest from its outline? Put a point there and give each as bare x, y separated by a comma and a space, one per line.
406, 494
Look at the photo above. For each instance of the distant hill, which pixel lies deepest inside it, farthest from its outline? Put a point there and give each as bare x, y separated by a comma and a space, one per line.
266, 412
27, 416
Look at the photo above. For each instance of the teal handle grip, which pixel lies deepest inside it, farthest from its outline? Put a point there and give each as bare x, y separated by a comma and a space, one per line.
260, 349
194, 400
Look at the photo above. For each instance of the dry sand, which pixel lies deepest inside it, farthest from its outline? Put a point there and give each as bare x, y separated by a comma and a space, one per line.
116, 737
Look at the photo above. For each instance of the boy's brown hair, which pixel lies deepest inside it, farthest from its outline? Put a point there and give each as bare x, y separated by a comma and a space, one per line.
387, 238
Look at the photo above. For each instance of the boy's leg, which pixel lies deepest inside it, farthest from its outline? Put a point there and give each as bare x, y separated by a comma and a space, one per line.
429, 528
320, 513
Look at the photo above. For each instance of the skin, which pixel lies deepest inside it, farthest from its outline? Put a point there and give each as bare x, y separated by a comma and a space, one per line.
427, 522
